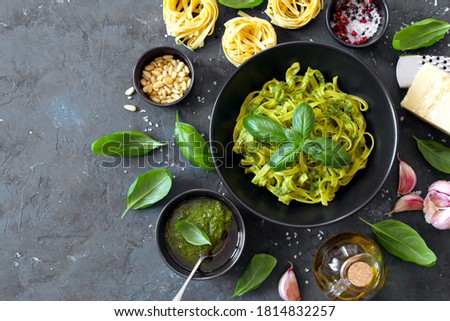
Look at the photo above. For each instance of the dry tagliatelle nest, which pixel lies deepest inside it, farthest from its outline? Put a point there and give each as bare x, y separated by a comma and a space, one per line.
190, 21
293, 14
245, 36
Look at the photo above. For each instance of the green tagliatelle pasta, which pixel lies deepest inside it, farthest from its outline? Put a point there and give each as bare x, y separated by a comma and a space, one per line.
338, 116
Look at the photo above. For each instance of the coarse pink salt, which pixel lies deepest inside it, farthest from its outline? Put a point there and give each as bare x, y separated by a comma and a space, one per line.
355, 21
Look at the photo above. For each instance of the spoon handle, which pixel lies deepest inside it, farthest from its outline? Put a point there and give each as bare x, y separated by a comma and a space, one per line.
185, 284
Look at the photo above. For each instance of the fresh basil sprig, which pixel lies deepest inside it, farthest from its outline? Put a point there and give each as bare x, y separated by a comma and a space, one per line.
125, 143
192, 233
421, 34
296, 140
435, 153
255, 274
241, 4
193, 146
148, 189
403, 241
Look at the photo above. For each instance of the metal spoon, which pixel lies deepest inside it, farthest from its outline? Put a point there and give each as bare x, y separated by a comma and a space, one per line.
185, 284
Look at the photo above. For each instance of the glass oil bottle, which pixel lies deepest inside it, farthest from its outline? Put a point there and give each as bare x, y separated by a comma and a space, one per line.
349, 266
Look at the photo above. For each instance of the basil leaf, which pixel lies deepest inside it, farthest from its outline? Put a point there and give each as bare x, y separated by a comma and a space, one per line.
403, 241
255, 274
303, 119
435, 153
193, 146
327, 152
265, 129
192, 233
125, 143
421, 34
284, 156
148, 189
241, 4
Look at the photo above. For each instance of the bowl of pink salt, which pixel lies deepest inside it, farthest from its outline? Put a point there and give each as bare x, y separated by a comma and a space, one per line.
357, 23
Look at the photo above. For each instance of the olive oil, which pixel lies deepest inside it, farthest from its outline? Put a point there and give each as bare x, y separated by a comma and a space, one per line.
349, 266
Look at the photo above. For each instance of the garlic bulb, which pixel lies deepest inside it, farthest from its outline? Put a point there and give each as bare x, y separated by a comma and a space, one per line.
288, 286
437, 205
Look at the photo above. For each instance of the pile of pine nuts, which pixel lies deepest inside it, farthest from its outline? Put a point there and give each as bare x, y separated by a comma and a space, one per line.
165, 80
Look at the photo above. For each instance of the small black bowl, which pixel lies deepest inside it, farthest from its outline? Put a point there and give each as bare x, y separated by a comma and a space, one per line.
147, 58
383, 11
232, 249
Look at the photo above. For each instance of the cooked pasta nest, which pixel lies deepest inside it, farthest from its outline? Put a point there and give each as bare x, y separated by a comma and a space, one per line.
293, 14
245, 36
190, 21
338, 116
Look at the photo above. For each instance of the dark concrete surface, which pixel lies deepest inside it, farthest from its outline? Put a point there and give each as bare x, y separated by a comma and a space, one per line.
64, 67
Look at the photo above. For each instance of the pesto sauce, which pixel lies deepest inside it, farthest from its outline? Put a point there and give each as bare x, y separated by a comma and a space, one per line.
210, 215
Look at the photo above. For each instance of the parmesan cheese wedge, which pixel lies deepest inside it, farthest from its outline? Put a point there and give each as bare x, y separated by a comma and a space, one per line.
429, 97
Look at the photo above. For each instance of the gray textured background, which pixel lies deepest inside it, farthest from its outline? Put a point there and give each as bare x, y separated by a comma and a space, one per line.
64, 67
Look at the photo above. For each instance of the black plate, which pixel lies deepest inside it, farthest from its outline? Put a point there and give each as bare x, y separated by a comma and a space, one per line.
354, 78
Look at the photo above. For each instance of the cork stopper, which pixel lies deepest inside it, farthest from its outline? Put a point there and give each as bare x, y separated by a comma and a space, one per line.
360, 274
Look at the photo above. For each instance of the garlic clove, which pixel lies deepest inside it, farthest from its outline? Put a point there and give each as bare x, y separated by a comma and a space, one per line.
439, 199
288, 286
409, 202
442, 187
407, 178
441, 220
437, 205
429, 208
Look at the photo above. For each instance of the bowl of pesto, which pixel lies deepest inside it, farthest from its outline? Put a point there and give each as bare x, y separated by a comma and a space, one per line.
214, 215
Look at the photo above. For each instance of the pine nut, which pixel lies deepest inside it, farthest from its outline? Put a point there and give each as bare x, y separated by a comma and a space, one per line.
168, 80
146, 75
129, 91
180, 66
158, 84
130, 107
